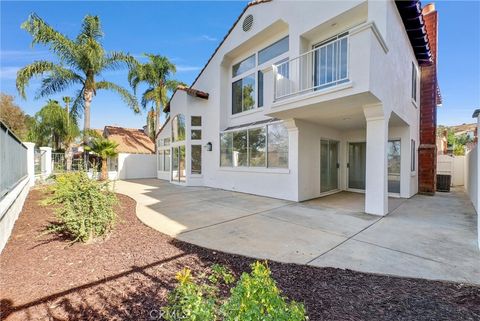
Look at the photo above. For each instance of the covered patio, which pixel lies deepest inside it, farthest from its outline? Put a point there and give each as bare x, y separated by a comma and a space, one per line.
425, 237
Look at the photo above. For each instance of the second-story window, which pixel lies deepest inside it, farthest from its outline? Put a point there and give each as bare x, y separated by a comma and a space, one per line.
247, 76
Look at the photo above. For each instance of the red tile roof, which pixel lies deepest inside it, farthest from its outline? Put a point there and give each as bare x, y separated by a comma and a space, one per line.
130, 140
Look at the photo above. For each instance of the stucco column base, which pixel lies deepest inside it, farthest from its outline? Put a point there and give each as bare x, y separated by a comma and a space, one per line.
376, 181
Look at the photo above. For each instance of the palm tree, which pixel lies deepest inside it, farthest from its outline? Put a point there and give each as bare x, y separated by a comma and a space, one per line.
54, 126
81, 62
156, 73
104, 148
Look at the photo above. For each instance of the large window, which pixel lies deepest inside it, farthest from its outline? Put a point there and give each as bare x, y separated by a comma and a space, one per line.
257, 147
272, 51
277, 146
240, 148
226, 149
163, 157
247, 77
243, 94
243, 66
178, 128
265, 146
196, 159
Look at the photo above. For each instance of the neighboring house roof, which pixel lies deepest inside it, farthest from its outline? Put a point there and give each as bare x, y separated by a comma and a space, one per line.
130, 140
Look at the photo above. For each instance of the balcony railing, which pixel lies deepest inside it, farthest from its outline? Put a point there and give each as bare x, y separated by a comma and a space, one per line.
324, 66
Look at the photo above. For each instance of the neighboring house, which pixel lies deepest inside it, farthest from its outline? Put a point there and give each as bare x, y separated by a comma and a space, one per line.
305, 99
136, 153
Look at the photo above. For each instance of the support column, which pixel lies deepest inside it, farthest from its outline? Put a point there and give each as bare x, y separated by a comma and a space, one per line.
376, 180
30, 162
46, 161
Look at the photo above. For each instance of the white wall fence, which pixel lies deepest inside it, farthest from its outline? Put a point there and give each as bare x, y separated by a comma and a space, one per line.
472, 175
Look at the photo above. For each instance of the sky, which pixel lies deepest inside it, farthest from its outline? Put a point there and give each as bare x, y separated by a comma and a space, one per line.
188, 33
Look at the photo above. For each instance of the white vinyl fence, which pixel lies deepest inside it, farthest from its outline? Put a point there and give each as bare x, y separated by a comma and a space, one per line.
453, 166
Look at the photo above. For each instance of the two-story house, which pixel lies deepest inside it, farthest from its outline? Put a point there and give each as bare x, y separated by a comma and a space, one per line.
305, 99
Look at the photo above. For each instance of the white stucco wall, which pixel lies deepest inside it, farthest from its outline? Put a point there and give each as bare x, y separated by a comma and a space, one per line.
132, 166
10, 208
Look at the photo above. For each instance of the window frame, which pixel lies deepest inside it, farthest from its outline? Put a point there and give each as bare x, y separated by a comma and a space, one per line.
413, 156
191, 159
247, 129
414, 84
254, 71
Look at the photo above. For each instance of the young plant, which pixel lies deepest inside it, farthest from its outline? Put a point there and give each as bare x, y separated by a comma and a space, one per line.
256, 297
85, 207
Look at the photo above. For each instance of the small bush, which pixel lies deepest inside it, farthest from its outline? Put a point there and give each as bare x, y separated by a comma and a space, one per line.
85, 207
190, 300
254, 297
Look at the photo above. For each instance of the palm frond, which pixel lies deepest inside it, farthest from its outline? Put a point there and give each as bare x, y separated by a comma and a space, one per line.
58, 80
127, 97
149, 95
44, 34
115, 59
36, 68
78, 105
91, 29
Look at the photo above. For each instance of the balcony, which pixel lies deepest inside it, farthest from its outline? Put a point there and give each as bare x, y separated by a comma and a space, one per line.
323, 67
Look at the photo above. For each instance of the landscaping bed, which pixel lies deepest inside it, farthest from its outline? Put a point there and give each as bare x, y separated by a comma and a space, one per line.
128, 277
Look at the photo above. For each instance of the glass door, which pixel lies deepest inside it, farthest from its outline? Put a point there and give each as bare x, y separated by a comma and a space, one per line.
394, 166
178, 163
328, 165
357, 160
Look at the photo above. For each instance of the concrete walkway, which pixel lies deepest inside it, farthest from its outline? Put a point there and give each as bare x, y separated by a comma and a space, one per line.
425, 237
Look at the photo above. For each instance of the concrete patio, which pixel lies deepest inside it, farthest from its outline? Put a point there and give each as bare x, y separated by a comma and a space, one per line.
424, 237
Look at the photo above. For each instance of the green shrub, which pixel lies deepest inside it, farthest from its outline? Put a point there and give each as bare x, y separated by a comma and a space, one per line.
255, 297
190, 300
85, 207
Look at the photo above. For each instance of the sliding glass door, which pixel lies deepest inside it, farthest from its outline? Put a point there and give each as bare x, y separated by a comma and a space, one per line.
357, 160
328, 165
178, 163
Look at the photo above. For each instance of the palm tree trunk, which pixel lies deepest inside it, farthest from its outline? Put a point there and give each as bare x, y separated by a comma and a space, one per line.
68, 156
87, 96
104, 169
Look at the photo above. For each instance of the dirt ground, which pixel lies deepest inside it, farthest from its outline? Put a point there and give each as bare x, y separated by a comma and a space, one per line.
128, 276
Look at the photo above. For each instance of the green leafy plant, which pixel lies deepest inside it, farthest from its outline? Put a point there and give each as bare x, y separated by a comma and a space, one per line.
85, 207
255, 297
190, 300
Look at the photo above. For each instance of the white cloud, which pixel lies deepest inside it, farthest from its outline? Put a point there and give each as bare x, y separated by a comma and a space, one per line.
8, 72
208, 38
181, 68
23, 54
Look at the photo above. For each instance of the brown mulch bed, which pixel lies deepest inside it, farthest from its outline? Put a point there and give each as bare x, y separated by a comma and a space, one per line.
128, 276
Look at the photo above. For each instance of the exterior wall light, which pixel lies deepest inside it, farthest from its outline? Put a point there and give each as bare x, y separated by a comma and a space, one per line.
208, 146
